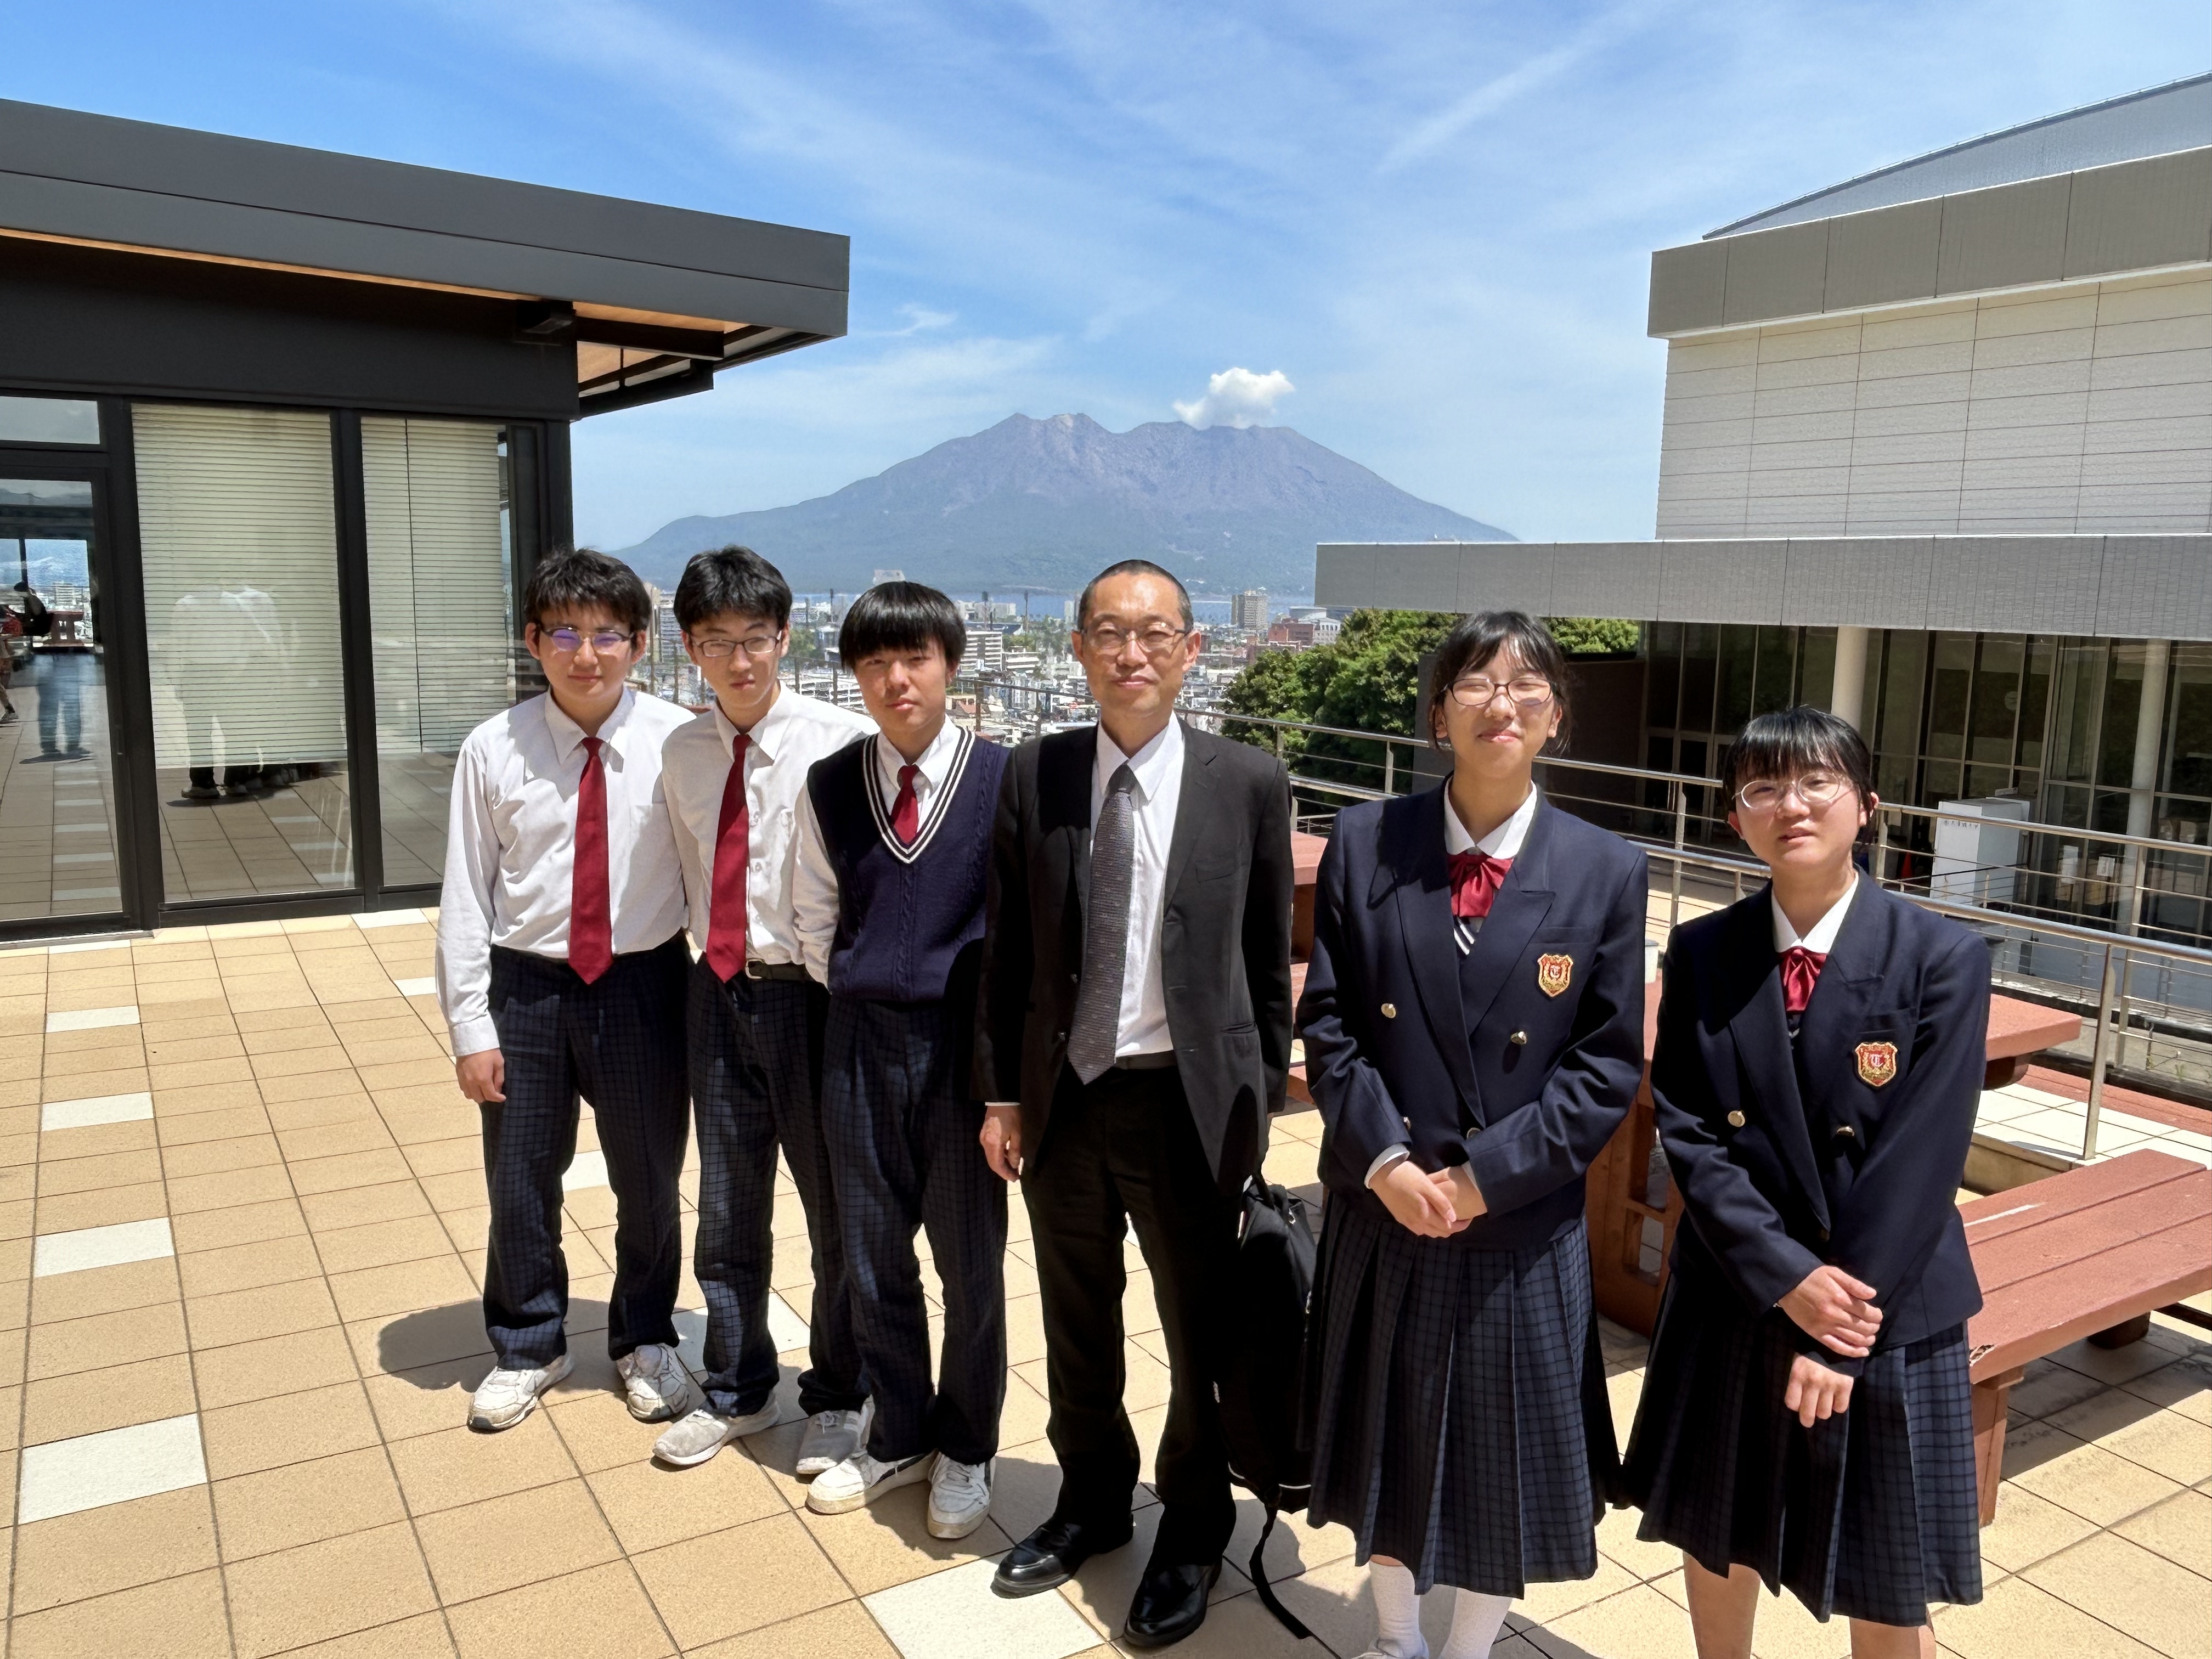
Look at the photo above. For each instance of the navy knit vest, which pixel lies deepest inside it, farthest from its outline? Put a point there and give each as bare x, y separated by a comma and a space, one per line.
905, 913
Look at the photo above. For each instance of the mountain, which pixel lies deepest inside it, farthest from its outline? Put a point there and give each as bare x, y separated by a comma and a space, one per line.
1045, 504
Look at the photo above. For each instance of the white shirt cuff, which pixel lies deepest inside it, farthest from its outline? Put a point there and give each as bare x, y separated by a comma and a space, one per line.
1386, 1159
473, 1036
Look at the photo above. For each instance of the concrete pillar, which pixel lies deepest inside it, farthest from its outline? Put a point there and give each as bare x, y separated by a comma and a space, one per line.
1848, 700
2150, 726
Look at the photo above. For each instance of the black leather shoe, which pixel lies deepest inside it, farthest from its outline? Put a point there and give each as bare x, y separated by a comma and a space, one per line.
1170, 1604
1048, 1557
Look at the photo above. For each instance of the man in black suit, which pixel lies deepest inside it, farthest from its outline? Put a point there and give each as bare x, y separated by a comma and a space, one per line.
1136, 1004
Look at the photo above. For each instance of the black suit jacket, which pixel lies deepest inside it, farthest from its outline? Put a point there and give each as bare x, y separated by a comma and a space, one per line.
1225, 938
1863, 1175
1395, 1055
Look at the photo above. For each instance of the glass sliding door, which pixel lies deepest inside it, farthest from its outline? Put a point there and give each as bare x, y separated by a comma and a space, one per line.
239, 543
441, 607
58, 814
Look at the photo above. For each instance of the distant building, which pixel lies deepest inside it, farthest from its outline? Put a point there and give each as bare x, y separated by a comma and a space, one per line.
883, 576
1067, 613
1291, 634
1250, 610
988, 646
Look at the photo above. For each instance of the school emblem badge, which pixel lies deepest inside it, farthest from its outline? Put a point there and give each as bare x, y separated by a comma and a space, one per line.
1877, 1063
1555, 974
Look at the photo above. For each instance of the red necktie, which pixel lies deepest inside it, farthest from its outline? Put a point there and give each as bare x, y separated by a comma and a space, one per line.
726, 922
1800, 972
1476, 879
906, 811
591, 915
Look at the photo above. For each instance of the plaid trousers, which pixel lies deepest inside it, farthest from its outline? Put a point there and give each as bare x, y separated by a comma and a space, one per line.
903, 1152
755, 1083
619, 1043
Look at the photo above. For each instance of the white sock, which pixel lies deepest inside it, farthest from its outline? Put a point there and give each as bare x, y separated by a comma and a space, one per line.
1397, 1611
1475, 1621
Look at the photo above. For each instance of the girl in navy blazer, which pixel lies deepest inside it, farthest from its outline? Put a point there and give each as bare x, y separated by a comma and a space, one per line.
1474, 1026
1807, 1419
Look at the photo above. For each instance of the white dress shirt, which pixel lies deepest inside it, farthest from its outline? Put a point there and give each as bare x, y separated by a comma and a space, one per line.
511, 846
1158, 769
814, 879
1503, 842
794, 733
1822, 938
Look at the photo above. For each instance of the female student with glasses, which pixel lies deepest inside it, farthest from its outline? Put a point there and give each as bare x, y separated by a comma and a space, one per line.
1474, 1023
1806, 1417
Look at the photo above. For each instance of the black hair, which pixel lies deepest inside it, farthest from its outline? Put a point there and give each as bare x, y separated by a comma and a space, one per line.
1793, 741
1474, 641
1133, 568
901, 617
583, 578
731, 580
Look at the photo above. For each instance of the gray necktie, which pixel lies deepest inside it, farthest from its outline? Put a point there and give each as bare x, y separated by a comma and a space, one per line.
1097, 1029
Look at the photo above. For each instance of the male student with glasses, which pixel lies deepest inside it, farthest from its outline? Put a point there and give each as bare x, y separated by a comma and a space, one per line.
561, 966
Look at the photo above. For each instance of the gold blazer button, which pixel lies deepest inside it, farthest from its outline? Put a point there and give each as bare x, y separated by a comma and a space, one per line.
1390, 1010
1845, 1131
1735, 1120
1519, 1039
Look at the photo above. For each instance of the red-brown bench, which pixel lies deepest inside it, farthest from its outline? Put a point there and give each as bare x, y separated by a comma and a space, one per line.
2087, 1254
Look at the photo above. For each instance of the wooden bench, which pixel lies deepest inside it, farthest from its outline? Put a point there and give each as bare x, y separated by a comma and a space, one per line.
2087, 1254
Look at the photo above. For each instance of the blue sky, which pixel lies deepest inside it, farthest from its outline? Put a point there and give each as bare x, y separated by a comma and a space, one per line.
1434, 221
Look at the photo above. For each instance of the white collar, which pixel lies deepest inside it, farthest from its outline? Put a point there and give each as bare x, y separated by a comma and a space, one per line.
1153, 764
763, 735
936, 760
568, 737
1822, 938
1503, 842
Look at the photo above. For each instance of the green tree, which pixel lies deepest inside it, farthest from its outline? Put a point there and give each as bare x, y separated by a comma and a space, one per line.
1367, 680
1591, 636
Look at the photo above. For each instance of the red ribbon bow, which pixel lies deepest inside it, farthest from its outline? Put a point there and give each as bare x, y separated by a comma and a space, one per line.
1800, 972
1476, 879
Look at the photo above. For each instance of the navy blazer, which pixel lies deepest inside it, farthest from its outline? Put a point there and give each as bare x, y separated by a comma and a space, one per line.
1392, 1055
1862, 1174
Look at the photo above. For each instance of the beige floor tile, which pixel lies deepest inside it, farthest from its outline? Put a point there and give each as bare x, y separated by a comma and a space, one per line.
843, 1630
80, 1083
273, 1366
361, 1134
2180, 1529
332, 1588
1617, 1540
888, 1542
225, 1122
601, 1434
175, 1619
202, 1157
2028, 1528
178, 1050
84, 1174
361, 1206
727, 1583
291, 1428
103, 1290
305, 1036
649, 1505
234, 1187
416, 1340
456, 1466
229, 1070
483, 1549
248, 1266
2117, 1365
435, 1281
94, 1552
2014, 1618
353, 1169
247, 1223
77, 1345
422, 1637
447, 1155
1638, 1622
89, 1402
2132, 1589
2184, 1385
94, 1140
305, 1502
2177, 1447
603, 1613
104, 1208
2086, 1479
381, 1243
248, 1315
330, 1109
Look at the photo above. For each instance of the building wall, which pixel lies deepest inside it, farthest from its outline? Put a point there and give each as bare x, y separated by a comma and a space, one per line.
2065, 407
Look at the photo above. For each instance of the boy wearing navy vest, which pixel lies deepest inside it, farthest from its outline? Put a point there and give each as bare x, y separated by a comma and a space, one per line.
894, 838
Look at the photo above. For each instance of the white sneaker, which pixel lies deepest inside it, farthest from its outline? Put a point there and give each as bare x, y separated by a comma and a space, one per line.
861, 1479
959, 1496
698, 1435
831, 1438
655, 1383
506, 1397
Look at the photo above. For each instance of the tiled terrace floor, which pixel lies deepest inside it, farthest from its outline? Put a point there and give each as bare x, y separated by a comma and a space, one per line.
244, 1216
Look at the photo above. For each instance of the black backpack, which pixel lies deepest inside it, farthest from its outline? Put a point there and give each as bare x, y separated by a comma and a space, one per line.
1262, 1362
37, 619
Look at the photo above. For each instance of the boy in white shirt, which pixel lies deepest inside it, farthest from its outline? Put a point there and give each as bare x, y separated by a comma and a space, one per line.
561, 966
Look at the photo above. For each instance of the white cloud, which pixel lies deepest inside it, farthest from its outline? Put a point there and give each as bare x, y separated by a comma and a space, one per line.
1237, 397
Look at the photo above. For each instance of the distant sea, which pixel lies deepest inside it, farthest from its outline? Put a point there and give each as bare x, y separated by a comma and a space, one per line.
1038, 602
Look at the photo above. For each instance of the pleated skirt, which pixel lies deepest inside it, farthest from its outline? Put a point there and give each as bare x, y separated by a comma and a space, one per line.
1872, 1514
1455, 1404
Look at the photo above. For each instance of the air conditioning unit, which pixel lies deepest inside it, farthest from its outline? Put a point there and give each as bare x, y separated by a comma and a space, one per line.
1977, 856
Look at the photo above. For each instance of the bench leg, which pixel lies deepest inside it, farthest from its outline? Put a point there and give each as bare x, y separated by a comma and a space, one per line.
1992, 1401
2127, 1331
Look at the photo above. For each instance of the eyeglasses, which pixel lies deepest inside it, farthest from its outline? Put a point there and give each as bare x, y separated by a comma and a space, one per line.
759, 646
1154, 641
1818, 790
1476, 692
604, 640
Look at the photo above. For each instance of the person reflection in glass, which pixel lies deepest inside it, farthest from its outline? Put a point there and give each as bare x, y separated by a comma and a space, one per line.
225, 643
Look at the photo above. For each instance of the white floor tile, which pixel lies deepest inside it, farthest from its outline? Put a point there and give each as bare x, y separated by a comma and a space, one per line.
586, 1169
785, 1329
417, 988
2141, 1125
91, 1019
101, 1247
387, 918
953, 1615
93, 944
95, 1109
64, 1476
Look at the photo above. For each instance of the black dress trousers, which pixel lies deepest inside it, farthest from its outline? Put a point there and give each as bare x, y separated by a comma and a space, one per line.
1119, 1149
